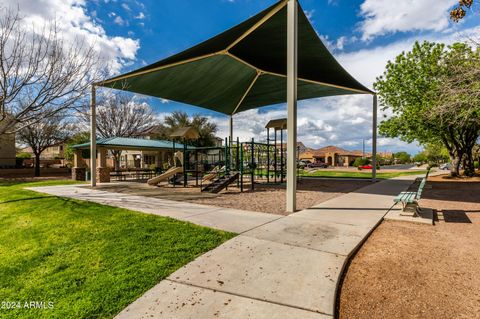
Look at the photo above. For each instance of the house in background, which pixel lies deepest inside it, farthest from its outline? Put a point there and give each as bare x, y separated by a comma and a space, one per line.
54, 152
7, 150
332, 156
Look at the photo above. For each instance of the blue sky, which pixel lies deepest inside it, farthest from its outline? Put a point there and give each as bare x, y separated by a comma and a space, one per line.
363, 35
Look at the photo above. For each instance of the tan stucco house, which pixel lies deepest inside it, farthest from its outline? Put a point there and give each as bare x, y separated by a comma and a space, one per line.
332, 156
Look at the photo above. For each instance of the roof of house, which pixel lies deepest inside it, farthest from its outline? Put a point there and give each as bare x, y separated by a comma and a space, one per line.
336, 150
137, 143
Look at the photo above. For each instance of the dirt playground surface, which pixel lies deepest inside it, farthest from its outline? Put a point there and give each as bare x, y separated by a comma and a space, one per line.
408, 270
271, 199
265, 198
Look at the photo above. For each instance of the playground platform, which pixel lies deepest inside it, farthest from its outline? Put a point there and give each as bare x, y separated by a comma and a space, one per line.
277, 267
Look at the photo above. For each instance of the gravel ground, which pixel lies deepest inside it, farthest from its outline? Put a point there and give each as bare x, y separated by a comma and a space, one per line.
408, 270
271, 199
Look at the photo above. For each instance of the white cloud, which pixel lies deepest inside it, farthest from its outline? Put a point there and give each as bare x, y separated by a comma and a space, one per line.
75, 24
126, 7
119, 20
140, 16
309, 14
385, 16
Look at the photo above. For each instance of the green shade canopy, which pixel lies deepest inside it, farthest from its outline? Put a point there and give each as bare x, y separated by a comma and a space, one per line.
133, 144
243, 68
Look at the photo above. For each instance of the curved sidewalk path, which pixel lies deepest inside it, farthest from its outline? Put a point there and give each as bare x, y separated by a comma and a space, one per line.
277, 267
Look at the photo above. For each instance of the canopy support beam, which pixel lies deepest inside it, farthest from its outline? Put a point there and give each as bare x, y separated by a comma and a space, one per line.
292, 78
374, 138
93, 138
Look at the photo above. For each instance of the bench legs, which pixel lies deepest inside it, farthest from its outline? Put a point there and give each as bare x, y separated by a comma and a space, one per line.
412, 208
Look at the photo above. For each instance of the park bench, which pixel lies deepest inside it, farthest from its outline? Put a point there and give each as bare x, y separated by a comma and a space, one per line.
410, 200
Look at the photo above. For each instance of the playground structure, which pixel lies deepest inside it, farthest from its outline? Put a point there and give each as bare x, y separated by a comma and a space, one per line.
176, 169
216, 168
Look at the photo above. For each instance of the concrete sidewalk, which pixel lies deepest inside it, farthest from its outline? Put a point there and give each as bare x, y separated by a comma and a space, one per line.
278, 267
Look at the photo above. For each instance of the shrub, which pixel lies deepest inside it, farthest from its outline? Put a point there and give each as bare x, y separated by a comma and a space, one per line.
476, 164
361, 161
24, 155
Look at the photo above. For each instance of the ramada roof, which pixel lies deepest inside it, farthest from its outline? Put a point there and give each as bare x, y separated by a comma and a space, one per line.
133, 143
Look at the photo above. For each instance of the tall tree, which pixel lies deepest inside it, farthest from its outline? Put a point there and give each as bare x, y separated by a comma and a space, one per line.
40, 75
121, 115
457, 108
43, 134
179, 119
412, 89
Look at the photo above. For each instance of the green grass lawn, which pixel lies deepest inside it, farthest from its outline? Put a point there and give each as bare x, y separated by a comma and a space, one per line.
360, 174
88, 259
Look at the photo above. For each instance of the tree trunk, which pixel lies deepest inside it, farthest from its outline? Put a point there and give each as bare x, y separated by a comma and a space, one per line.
469, 167
456, 159
37, 165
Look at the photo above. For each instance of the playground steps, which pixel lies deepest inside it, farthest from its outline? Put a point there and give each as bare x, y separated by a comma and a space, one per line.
220, 183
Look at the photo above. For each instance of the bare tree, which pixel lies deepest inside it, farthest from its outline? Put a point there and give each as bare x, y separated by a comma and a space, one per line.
121, 115
43, 134
40, 75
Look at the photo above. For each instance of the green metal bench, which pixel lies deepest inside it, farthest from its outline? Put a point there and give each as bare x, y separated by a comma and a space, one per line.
410, 200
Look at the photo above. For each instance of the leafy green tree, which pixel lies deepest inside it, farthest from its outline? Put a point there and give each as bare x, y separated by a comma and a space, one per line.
79, 138
402, 157
420, 157
436, 153
431, 98
180, 119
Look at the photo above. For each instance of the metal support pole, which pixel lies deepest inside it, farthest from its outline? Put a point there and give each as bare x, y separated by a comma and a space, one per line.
237, 160
275, 157
374, 139
93, 138
292, 76
252, 170
241, 168
281, 156
230, 138
268, 155
231, 130
174, 163
185, 178
227, 165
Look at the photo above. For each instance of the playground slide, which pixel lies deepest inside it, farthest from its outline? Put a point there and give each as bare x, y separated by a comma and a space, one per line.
213, 174
172, 171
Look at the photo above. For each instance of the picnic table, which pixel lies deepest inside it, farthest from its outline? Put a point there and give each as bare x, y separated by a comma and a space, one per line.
138, 174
